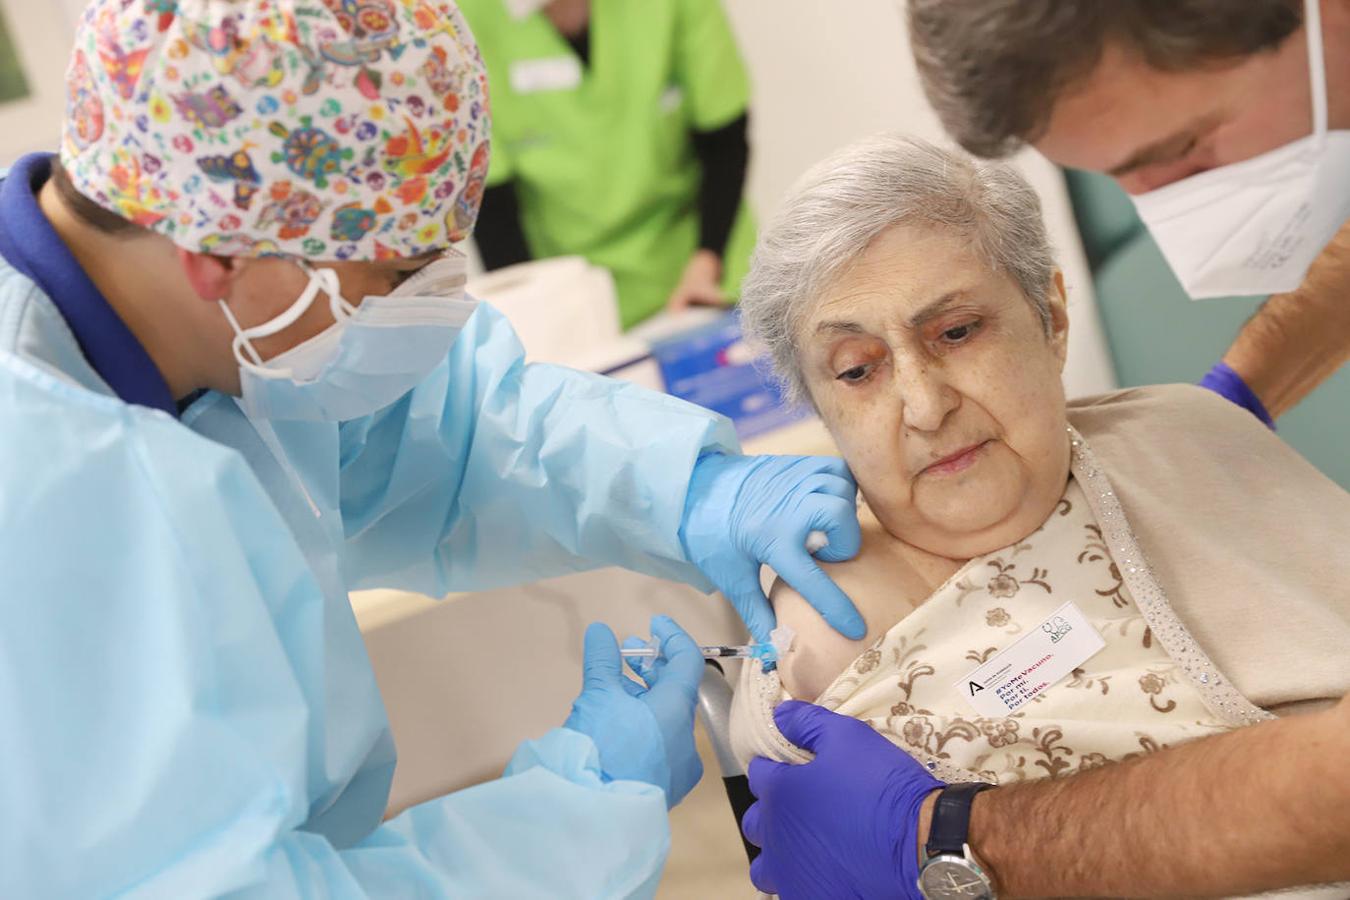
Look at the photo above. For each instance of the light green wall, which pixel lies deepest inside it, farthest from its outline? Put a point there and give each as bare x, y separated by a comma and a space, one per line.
1158, 335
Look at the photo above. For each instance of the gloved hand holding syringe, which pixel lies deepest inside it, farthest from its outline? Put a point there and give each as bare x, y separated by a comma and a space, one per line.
768, 652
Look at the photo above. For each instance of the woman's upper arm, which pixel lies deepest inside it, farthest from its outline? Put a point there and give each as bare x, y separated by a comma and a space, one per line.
818, 653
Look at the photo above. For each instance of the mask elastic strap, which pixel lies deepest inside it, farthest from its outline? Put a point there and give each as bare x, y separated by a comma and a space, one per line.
328, 282
239, 342
1317, 69
320, 280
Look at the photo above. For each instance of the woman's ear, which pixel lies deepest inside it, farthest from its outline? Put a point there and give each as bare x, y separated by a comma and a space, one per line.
209, 276
1057, 302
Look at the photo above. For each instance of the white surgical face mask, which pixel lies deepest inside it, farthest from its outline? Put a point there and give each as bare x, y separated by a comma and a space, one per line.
1255, 227
368, 358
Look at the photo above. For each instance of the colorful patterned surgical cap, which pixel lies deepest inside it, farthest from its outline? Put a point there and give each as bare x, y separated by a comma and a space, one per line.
328, 129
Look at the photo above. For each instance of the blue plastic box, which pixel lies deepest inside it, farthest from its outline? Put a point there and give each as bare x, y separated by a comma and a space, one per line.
714, 367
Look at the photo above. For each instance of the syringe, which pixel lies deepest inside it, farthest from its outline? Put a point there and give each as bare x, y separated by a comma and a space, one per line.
722, 651
767, 652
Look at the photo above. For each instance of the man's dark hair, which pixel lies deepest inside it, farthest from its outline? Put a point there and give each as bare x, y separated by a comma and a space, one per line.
993, 69
86, 210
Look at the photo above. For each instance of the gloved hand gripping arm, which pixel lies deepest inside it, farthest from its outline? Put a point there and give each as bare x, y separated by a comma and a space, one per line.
744, 511
844, 824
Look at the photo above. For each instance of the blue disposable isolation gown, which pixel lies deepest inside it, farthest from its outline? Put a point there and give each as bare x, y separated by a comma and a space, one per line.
186, 705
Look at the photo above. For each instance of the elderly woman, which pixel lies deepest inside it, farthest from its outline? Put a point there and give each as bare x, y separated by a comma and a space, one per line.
1178, 558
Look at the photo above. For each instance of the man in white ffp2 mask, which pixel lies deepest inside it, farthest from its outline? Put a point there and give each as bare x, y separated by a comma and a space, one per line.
1226, 122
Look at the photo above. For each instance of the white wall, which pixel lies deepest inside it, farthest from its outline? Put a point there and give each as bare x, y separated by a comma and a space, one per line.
71, 8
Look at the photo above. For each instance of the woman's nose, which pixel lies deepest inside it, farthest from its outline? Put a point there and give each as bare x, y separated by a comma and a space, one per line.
926, 396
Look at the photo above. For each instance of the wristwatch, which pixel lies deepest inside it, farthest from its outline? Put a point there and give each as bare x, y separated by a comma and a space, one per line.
949, 871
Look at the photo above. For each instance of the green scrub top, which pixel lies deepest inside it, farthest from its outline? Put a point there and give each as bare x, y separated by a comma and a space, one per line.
601, 154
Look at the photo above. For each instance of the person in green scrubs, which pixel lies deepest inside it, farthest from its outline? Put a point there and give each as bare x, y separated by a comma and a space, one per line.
618, 134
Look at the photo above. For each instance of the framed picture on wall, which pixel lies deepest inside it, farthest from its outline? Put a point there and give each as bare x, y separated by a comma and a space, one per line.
34, 45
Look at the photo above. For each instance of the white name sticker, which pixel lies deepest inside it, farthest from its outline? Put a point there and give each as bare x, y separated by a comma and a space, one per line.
558, 73
1024, 671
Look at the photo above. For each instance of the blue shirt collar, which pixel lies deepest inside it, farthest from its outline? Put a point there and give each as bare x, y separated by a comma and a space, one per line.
30, 244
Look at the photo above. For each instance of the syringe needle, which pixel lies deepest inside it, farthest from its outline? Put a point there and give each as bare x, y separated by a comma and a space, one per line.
743, 651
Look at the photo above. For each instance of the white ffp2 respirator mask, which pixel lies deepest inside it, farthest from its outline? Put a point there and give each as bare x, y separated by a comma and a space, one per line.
1254, 227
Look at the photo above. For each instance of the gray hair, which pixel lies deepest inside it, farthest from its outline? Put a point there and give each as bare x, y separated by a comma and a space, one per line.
994, 69
842, 204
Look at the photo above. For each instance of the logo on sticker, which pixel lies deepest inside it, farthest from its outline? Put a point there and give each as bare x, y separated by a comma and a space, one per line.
1057, 627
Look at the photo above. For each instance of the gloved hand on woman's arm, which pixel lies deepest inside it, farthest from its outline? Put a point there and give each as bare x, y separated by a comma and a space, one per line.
845, 824
742, 512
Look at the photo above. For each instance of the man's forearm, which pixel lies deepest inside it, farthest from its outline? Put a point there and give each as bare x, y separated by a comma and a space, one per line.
1253, 810
1298, 340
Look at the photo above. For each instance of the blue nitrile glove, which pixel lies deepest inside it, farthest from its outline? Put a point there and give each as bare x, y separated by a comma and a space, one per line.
643, 733
1228, 384
844, 824
744, 511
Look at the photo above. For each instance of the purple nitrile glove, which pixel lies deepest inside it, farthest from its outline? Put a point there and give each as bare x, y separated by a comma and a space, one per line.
1228, 384
844, 824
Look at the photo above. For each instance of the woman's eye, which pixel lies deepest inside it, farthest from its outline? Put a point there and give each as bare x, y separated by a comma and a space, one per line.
960, 333
854, 375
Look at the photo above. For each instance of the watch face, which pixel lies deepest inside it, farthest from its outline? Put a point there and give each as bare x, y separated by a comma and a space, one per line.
950, 878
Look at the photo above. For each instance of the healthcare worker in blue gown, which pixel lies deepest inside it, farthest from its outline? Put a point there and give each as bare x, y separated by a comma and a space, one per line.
238, 378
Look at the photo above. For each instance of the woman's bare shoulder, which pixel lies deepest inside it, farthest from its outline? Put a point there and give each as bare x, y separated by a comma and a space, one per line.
819, 653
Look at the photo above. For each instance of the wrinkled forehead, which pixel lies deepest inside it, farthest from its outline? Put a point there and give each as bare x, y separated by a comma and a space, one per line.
906, 272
